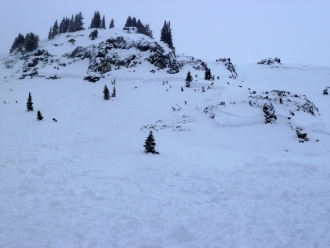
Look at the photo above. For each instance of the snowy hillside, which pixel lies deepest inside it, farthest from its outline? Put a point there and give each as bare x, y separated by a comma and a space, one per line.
224, 176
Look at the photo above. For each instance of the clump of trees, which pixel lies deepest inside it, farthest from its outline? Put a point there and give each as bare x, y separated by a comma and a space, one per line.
166, 35
28, 43
67, 25
96, 21
141, 29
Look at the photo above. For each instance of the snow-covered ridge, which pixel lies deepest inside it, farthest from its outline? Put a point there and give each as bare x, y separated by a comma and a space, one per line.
112, 49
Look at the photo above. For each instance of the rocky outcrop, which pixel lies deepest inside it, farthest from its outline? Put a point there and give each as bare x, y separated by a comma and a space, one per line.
270, 61
230, 67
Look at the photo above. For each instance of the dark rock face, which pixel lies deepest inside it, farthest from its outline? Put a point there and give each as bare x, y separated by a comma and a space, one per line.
105, 56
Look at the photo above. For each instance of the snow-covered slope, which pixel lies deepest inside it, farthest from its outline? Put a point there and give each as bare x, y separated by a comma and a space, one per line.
223, 177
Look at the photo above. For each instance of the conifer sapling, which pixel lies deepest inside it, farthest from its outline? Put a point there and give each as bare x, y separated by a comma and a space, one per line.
113, 92
106, 93
189, 78
29, 103
150, 144
39, 116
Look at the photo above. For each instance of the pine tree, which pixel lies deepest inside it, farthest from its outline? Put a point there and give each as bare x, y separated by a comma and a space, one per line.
92, 23
133, 22
150, 144
147, 31
71, 24
96, 21
166, 35
114, 92
169, 36
103, 22
31, 42
50, 35
55, 29
78, 22
128, 22
208, 75
112, 24
29, 103
106, 93
189, 79
139, 26
18, 43
39, 116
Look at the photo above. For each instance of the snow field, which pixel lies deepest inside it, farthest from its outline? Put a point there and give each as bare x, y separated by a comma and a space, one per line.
231, 181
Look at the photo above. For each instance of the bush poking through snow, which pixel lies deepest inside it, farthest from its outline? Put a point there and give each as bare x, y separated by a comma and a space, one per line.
150, 144
301, 136
269, 111
39, 116
93, 35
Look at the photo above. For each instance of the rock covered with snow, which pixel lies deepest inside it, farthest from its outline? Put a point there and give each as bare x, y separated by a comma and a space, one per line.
229, 65
270, 61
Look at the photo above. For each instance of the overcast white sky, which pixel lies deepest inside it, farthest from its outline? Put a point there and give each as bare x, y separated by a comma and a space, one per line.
243, 30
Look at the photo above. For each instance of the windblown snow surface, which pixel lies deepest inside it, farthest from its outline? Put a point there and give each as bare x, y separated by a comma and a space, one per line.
223, 177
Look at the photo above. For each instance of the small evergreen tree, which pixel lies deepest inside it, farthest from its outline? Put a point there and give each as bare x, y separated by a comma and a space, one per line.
78, 22
71, 25
189, 79
106, 93
113, 92
55, 29
128, 22
50, 34
112, 24
133, 22
18, 43
150, 144
39, 116
103, 22
208, 75
29, 103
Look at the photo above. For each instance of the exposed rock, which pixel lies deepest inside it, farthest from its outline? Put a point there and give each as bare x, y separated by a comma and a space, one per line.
92, 79
269, 61
269, 111
230, 67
